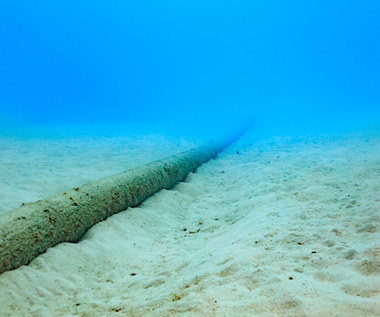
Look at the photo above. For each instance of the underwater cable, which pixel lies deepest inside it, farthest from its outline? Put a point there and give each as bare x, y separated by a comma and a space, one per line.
29, 230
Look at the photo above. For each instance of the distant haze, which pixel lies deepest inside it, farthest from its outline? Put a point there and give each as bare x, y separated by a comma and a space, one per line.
283, 64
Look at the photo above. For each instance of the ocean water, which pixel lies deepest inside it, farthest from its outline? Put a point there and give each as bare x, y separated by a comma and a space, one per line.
283, 222
286, 66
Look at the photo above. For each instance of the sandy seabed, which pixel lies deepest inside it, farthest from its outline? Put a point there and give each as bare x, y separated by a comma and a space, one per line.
272, 227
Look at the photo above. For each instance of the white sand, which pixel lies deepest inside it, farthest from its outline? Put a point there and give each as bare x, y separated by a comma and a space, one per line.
288, 227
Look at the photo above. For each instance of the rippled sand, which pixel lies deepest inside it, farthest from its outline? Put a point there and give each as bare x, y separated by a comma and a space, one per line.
272, 227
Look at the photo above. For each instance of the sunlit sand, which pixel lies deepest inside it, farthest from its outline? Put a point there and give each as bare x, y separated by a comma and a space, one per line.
278, 226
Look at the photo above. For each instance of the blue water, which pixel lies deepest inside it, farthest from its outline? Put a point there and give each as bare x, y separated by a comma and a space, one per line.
198, 66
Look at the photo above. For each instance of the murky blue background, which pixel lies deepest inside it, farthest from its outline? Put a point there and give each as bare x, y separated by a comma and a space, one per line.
195, 65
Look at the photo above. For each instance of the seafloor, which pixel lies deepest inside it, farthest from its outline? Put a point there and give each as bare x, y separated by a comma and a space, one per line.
275, 226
